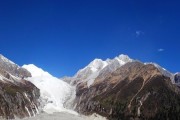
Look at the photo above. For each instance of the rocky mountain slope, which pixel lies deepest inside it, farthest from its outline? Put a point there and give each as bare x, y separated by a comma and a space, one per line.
126, 89
18, 97
13, 68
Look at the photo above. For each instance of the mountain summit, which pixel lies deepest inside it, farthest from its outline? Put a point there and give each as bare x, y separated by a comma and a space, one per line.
97, 67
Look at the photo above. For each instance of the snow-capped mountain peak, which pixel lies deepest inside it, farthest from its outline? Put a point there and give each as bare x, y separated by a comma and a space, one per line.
94, 66
98, 66
124, 58
121, 59
35, 71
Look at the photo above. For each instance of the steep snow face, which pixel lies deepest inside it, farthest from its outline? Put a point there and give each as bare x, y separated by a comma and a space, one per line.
94, 66
54, 92
35, 71
115, 63
90, 72
99, 67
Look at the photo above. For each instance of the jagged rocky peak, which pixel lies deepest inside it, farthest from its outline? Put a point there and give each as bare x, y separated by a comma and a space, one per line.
99, 64
95, 65
115, 63
13, 68
88, 74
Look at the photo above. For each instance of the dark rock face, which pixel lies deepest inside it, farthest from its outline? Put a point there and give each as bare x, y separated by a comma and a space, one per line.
177, 78
18, 100
18, 97
134, 91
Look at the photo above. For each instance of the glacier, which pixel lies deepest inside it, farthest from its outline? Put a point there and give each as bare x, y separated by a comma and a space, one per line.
53, 91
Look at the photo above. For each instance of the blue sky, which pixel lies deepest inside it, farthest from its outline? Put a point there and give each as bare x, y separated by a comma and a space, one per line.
62, 36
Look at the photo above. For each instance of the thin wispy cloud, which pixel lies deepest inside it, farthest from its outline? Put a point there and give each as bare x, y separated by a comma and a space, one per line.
139, 33
160, 50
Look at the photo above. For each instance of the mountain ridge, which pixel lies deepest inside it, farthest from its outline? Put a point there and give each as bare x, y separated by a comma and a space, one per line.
108, 65
118, 88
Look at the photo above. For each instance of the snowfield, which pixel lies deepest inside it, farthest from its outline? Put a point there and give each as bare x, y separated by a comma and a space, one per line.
53, 91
